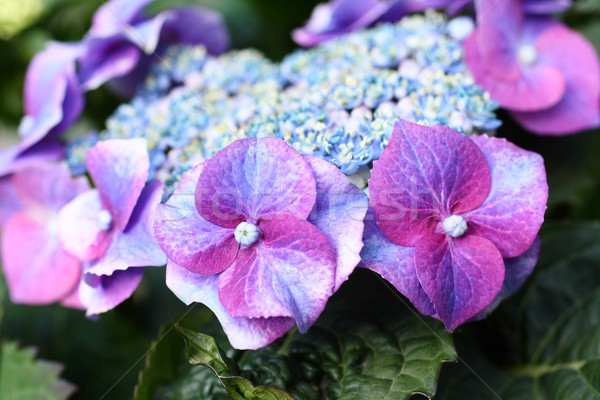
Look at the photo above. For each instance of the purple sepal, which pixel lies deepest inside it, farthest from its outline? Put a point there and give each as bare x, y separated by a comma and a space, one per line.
103, 293
338, 213
394, 263
243, 333
517, 270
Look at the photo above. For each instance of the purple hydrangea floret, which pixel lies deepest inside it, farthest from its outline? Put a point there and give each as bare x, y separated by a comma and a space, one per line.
121, 44
262, 235
456, 219
546, 74
36, 267
110, 227
339, 17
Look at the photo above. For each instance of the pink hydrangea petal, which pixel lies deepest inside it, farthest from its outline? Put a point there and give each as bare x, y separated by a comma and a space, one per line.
186, 237
338, 213
107, 292
513, 213
37, 269
9, 199
394, 263
48, 185
119, 169
576, 59
254, 177
289, 273
79, 230
243, 333
106, 59
136, 246
73, 300
115, 15
537, 88
499, 27
517, 270
461, 277
425, 174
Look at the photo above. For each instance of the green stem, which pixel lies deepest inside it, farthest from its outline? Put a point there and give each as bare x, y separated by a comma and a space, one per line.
288, 341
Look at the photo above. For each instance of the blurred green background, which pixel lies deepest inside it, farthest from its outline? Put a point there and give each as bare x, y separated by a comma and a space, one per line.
106, 355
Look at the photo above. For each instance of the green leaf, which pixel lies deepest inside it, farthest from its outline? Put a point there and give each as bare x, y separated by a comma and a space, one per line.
368, 345
202, 349
162, 364
24, 378
558, 314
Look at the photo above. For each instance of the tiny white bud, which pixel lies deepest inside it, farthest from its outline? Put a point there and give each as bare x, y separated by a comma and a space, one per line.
455, 226
246, 234
104, 220
527, 54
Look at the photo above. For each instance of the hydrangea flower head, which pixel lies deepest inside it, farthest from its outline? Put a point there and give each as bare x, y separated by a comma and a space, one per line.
456, 206
546, 74
110, 227
263, 235
37, 268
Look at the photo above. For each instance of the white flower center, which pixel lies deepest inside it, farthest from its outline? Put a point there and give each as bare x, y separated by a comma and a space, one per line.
246, 234
527, 54
104, 220
455, 226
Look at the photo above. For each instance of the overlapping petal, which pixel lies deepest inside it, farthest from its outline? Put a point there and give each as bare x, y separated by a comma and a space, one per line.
243, 333
115, 15
23, 156
394, 263
79, 229
186, 237
338, 213
513, 213
119, 169
37, 269
517, 270
103, 293
290, 273
424, 175
51, 73
254, 177
460, 276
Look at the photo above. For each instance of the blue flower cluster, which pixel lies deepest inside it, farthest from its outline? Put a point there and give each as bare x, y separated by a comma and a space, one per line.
337, 101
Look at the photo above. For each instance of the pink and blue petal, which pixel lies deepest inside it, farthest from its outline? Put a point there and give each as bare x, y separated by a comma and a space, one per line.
100, 294
80, 230
243, 333
513, 213
517, 270
254, 177
186, 237
290, 273
338, 213
119, 169
394, 263
136, 246
37, 269
425, 174
461, 276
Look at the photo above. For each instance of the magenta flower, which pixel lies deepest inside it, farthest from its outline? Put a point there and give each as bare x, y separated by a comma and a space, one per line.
546, 74
110, 227
339, 17
451, 210
263, 236
120, 44
37, 269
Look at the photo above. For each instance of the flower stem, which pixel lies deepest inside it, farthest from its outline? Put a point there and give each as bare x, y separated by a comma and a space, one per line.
288, 340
